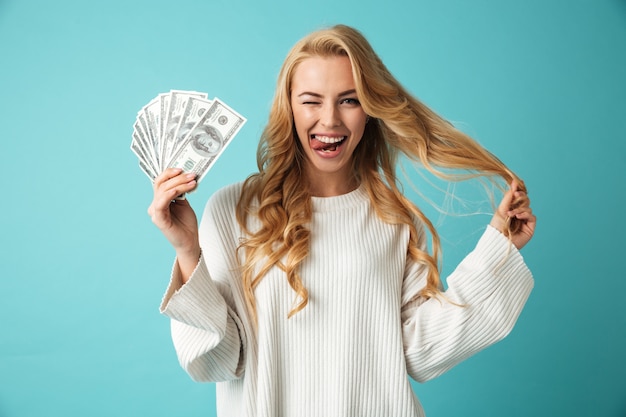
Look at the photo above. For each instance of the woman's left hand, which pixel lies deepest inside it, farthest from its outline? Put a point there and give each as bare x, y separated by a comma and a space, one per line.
515, 204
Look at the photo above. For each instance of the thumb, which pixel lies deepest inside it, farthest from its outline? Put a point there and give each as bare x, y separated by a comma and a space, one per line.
501, 219
507, 200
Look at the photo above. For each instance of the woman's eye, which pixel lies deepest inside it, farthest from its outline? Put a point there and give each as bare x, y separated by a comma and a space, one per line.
351, 101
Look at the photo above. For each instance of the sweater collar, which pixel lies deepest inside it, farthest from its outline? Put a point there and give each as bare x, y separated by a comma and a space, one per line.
340, 202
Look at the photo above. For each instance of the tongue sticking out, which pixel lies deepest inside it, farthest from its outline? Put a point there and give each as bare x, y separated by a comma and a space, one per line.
328, 147
322, 146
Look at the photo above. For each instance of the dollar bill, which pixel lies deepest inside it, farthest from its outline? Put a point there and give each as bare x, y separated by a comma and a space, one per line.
141, 127
140, 137
164, 104
183, 129
146, 170
176, 108
207, 139
144, 161
194, 110
152, 113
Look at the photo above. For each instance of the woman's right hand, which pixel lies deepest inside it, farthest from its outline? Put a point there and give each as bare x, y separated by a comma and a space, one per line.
176, 218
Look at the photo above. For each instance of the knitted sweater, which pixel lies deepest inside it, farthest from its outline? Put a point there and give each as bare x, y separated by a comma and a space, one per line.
365, 330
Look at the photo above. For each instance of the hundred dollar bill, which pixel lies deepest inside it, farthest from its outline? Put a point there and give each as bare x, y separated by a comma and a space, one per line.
176, 108
194, 110
164, 104
146, 170
152, 113
144, 161
207, 139
149, 142
144, 143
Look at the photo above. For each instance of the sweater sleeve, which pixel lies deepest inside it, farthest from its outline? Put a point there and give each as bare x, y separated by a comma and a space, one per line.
207, 333
485, 296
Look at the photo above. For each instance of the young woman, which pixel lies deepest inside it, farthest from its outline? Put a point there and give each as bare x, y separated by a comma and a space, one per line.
310, 288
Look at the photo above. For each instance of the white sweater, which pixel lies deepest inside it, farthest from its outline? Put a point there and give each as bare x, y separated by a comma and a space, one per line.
351, 351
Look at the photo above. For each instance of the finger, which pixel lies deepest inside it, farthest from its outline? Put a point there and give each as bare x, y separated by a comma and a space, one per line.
166, 175
507, 199
171, 190
520, 195
176, 183
520, 200
519, 209
512, 199
171, 184
522, 215
531, 223
527, 218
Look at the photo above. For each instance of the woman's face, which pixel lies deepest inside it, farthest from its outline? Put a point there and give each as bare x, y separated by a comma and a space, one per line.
329, 121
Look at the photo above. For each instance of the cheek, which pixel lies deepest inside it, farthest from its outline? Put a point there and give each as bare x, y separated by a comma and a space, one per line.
303, 121
301, 117
300, 132
302, 137
359, 126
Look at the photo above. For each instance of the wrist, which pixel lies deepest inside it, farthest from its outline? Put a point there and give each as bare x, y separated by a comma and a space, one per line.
191, 254
188, 261
498, 222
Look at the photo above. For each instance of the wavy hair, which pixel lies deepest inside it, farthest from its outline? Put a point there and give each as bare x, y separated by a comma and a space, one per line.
399, 124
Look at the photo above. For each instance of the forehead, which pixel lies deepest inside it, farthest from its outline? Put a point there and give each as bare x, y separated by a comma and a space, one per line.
320, 74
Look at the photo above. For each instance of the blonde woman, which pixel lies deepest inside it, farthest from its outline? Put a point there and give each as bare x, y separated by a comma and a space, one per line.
310, 289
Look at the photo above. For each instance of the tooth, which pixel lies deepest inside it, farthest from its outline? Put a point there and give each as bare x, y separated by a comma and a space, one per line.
328, 139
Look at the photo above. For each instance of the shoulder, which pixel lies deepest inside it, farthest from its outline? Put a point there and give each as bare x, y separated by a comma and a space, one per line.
227, 196
223, 203
420, 229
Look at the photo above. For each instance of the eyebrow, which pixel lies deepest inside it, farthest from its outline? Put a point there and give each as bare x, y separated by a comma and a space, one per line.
344, 93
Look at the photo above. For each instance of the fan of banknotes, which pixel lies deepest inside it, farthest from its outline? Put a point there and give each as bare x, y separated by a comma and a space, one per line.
183, 129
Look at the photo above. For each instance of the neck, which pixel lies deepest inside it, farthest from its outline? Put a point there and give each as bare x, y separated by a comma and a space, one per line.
330, 186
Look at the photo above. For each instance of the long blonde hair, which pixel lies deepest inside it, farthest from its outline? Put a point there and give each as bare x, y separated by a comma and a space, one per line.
400, 124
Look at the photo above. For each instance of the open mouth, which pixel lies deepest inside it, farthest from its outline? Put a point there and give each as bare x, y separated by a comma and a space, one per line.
326, 143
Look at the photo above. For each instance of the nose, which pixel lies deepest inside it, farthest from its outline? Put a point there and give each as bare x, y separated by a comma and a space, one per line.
330, 116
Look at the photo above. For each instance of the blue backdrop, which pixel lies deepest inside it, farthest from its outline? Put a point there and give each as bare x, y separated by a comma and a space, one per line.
540, 83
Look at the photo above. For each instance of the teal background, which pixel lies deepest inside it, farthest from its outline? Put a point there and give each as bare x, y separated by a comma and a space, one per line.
540, 83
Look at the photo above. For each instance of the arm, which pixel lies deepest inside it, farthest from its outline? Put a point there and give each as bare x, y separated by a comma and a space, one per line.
175, 218
485, 296
489, 288
207, 334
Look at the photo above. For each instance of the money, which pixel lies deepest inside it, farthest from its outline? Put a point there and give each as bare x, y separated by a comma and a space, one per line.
206, 139
183, 129
176, 107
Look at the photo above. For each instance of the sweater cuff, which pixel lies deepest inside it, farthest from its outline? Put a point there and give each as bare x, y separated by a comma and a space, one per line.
495, 262
493, 244
198, 302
